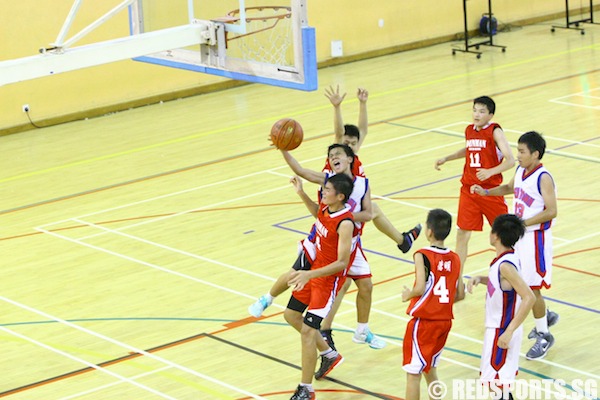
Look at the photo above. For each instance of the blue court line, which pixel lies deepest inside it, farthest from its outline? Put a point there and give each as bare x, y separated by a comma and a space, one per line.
577, 144
280, 324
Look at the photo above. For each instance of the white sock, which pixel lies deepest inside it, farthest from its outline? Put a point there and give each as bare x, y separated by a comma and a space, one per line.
541, 324
362, 328
308, 386
269, 297
329, 353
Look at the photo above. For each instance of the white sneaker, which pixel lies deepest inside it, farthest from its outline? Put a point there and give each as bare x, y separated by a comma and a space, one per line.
367, 336
259, 306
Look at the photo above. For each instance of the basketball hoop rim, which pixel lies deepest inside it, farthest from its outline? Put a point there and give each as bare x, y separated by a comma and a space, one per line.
232, 14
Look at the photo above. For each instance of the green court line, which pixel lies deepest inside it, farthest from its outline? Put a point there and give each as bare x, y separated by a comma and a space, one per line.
281, 324
305, 111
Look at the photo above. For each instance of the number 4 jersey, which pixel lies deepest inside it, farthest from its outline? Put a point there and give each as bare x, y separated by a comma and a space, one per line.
442, 274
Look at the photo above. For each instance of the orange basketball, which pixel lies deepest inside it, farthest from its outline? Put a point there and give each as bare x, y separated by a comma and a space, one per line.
286, 134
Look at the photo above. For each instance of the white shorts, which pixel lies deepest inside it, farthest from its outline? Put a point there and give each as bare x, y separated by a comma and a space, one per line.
500, 364
534, 250
360, 268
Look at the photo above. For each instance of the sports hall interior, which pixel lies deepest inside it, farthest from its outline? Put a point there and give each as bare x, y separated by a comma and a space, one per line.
143, 209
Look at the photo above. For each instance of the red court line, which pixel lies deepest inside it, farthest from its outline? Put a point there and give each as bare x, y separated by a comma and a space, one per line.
350, 392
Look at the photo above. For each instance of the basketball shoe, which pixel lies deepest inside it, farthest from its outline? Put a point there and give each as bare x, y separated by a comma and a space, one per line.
409, 238
259, 306
302, 393
327, 365
327, 335
368, 337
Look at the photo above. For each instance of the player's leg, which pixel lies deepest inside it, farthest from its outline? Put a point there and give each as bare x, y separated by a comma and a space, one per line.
403, 240
360, 272
413, 386
326, 326
430, 378
536, 263
462, 245
320, 307
280, 286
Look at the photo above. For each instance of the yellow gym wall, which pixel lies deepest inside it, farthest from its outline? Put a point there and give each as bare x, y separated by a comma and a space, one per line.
382, 26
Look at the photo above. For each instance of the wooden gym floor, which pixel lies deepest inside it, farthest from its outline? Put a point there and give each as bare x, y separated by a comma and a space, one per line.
132, 244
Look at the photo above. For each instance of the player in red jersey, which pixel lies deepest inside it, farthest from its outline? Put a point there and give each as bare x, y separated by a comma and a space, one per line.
314, 290
487, 154
438, 284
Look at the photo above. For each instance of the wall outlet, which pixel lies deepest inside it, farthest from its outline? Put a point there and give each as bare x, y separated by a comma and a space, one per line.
337, 48
26, 108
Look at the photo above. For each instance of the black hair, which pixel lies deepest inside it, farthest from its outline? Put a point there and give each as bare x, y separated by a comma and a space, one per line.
347, 149
486, 101
509, 229
440, 223
342, 184
534, 142
352, 131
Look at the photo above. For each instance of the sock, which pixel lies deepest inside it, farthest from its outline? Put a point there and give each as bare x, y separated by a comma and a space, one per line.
308, 386
269, 298
329, 353
362, 328
541, 324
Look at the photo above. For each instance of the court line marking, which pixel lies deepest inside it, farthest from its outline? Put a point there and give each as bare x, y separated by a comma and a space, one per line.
172, 249
121, 378
164, 269
109, 385
309, 110
125, 346
270, 171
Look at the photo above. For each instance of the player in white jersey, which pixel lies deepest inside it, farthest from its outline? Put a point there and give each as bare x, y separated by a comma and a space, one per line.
535, 202
507, 303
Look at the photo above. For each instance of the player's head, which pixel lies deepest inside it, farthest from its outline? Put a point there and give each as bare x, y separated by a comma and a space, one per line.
351, 136
341, 158
337, 187
439, 222
483, 110
529, 143
508, 228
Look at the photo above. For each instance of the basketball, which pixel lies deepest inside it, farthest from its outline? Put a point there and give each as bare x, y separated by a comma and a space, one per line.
286, 134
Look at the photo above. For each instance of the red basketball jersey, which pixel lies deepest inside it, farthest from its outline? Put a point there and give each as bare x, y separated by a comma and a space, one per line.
482, 152
326, 240
440, 288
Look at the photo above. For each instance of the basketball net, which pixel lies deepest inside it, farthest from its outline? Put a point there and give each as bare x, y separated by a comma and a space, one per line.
268, 36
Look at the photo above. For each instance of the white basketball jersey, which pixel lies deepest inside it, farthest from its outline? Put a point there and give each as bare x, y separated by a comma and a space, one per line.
528, 200
361, 185
501, 305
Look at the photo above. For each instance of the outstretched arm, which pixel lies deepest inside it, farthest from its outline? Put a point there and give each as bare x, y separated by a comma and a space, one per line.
336, 101
308, 202
308, 174
501, 190
363, 120
454, 156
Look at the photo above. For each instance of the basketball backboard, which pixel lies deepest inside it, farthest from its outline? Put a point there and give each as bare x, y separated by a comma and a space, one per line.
237, 39
248, 40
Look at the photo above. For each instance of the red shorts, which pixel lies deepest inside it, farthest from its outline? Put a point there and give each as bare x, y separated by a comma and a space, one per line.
472, 208
319, 294
423, 344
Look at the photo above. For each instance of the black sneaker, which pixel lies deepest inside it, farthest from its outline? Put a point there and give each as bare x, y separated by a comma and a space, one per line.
302, 393
327, 365
327, 335
409, 238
